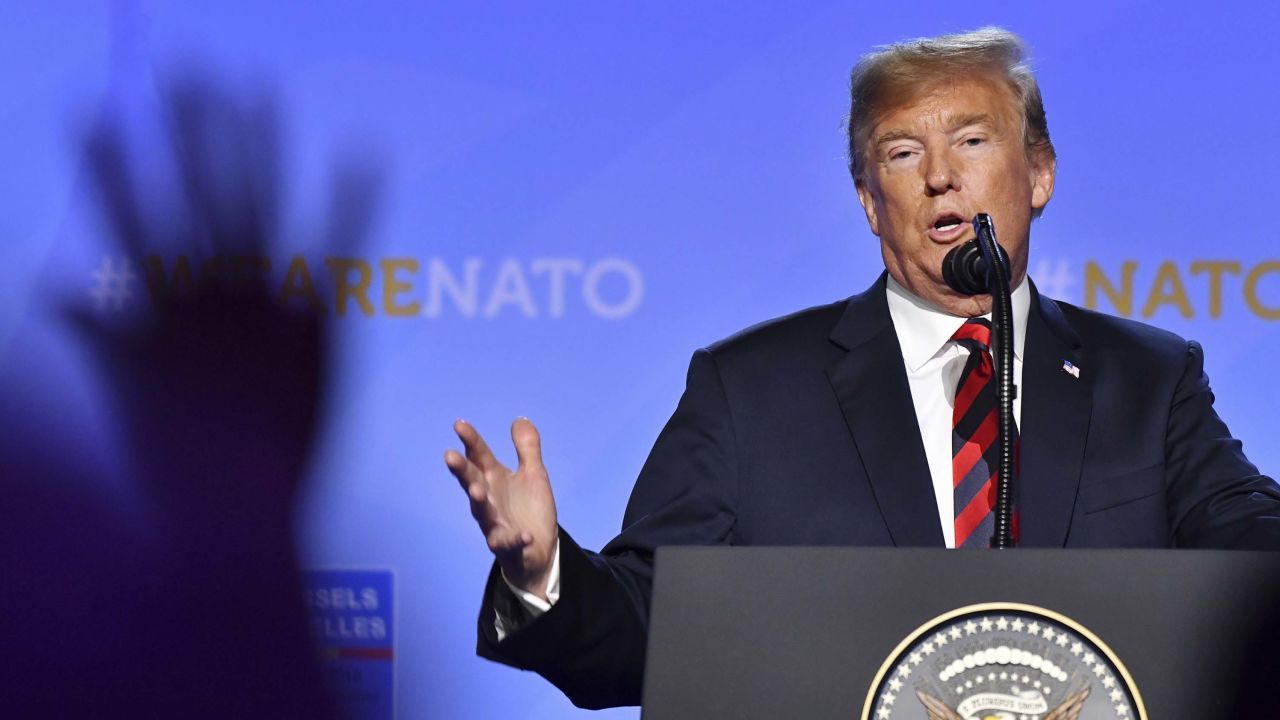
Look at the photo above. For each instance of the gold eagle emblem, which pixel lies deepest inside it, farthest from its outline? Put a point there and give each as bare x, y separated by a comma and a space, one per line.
1068, 710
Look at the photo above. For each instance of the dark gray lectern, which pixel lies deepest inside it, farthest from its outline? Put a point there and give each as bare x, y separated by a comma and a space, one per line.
806, 632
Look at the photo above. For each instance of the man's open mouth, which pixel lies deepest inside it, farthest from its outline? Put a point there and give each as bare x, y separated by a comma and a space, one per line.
948, 222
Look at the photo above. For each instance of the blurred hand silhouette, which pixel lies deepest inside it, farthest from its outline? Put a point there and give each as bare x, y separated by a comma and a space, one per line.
218, 393
222, 382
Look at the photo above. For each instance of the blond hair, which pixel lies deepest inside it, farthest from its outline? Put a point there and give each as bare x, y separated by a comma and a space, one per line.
895, 74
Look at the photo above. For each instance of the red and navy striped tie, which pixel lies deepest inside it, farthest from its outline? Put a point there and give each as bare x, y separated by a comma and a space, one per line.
974, 451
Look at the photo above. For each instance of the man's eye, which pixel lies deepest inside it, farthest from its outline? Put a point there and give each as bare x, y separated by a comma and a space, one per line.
900, 155
974, 141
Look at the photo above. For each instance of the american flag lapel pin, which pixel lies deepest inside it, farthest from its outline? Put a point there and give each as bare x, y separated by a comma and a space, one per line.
1070, 369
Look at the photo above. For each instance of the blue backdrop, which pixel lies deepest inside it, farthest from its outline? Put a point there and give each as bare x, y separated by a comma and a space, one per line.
578, 195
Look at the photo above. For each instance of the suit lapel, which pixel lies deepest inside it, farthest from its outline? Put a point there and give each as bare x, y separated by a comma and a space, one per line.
1056, 408
870, 383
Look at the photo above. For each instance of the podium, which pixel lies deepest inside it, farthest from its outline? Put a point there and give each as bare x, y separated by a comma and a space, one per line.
928, 633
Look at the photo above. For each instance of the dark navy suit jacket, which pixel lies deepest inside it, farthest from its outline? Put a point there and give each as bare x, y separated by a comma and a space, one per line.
801, 431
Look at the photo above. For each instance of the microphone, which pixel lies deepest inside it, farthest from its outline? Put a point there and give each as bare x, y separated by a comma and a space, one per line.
978, 267
965, 269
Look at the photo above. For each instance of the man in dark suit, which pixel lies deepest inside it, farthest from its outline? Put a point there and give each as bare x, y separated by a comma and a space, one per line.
834, 426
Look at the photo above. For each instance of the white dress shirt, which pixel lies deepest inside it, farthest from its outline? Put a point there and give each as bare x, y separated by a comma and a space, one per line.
933, 364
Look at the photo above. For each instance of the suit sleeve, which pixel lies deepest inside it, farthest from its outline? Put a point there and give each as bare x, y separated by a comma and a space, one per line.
591, 643
1217, 498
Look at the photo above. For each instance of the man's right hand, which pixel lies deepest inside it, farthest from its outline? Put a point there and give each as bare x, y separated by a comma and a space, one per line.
515, 510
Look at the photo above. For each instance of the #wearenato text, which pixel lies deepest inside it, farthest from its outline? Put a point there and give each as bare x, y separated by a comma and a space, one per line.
608, 288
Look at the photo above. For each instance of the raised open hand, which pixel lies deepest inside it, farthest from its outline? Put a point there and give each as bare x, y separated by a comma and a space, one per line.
515, 509
220, 383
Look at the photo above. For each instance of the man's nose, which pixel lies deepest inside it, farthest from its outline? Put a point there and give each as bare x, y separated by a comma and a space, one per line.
941, 172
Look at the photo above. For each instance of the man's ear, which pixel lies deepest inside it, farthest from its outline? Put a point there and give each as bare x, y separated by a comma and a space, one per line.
1044, 169
867, 198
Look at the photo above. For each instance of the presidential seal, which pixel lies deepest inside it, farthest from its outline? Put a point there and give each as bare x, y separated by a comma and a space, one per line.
1003, 661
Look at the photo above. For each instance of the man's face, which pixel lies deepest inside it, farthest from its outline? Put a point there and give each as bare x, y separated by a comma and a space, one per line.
932, 165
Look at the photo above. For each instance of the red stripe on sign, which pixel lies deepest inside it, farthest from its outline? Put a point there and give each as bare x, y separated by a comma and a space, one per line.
363, 653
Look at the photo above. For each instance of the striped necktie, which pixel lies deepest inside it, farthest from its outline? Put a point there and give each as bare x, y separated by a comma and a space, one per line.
975, 429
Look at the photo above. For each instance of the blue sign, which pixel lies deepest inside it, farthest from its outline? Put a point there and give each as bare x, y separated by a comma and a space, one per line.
353, 625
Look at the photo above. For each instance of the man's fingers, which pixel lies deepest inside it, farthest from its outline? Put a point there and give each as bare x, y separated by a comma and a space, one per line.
478, 493
474, 485
502, 534
528, 444
478, 450
463, 469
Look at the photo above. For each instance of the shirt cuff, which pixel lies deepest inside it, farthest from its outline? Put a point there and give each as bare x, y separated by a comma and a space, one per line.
532, 604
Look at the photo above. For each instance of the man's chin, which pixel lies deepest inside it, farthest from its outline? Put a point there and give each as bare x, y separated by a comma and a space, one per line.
941, 297
944, 299
965, 306
936, 294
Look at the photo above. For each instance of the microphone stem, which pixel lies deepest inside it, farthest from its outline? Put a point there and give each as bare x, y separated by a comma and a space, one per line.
1006, 391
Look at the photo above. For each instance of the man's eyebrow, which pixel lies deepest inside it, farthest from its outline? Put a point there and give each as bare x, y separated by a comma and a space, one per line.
967, 119
893, 135
954, 123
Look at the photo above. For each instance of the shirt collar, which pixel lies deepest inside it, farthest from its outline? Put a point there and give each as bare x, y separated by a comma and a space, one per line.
924, 331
